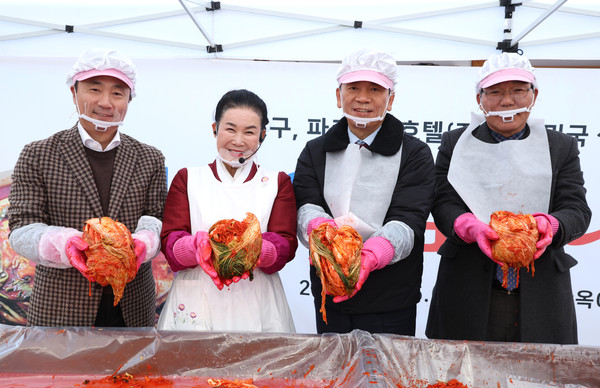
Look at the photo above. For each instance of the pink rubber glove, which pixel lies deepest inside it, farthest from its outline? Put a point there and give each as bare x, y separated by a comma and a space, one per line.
377, 252
185, 251
471, 230
152, 242
52, 247
267, 257
140, 252
268, 254
75, 252
316, 222
547, 227
204, 257
236, 279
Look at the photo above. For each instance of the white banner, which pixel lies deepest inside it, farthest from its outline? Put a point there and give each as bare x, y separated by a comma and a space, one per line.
174, 110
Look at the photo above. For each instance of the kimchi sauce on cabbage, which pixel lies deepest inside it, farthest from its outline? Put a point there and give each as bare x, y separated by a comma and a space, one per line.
335, 253
236, 246
111, 254
515, 246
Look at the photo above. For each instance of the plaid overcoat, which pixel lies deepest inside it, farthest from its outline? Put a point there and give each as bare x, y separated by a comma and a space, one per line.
53, 184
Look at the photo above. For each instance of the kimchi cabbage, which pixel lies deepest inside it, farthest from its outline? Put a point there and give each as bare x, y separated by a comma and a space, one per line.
235, 246
335, 253
515, 246
110, 255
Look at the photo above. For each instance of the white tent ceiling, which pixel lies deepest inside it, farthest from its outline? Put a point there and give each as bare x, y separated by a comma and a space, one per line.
555, 32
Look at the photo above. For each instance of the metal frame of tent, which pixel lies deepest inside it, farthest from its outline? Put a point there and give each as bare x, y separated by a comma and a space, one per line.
193, 8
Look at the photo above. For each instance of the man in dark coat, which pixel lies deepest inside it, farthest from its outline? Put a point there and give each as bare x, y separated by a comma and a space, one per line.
368, 173
91, 170
506, 162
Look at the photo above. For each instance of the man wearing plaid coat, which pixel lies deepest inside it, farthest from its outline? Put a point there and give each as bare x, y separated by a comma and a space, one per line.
88, 171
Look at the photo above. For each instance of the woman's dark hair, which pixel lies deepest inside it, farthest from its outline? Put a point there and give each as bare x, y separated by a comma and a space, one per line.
243, 98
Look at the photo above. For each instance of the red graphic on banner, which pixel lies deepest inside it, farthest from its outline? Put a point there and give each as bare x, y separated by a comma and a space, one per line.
586, 238
437, 242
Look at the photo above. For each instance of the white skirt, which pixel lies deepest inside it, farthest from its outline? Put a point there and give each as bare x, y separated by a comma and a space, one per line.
195, 303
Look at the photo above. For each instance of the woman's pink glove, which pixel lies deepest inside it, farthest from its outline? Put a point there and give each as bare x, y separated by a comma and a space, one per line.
236, 279
140, 252
377, 252
267, 257
471, 230
268, 254
75, 252
204, 257
547, 227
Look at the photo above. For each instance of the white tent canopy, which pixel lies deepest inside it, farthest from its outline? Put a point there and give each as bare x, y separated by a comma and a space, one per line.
551, 32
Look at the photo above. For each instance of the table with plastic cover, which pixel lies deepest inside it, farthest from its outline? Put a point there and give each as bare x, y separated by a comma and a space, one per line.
70, 357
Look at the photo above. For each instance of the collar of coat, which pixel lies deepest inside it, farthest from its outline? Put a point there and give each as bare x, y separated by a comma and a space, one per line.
386, 143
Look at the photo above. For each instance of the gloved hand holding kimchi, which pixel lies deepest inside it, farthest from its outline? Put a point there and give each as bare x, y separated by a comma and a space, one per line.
335, 253
236, 247
106, 253
516, 245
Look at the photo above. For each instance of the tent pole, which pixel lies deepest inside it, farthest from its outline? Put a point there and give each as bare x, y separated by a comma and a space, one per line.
512, 45
197, 23
507, 44
539, 20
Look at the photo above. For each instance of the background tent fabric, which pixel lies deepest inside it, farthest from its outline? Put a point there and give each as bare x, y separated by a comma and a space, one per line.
179, 84
413, 31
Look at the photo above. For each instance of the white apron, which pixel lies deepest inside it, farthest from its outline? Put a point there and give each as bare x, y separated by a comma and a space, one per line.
514, 175
358, 187
194, 302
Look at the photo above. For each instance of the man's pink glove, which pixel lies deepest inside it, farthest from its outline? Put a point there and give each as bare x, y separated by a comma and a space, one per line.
140, 252
377, 252
75, 252
547, 227
151, 240
471, 230
316, 222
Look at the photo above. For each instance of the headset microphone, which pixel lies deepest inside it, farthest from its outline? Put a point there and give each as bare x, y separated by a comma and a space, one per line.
242, 160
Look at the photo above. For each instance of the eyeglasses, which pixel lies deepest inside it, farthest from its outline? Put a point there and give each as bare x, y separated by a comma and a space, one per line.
517, 93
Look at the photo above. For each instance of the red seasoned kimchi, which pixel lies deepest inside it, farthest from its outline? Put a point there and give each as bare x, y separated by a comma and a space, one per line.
235, 246
515, 247
335, 253
111, 254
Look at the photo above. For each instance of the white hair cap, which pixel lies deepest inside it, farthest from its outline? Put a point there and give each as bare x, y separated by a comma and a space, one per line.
97, 62
368, 65
505, 67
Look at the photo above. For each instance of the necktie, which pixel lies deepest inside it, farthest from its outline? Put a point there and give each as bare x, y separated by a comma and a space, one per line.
361, 143
511, 279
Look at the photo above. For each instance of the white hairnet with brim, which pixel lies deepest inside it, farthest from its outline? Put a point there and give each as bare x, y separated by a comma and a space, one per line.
369, 65
98, 62
505, 67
